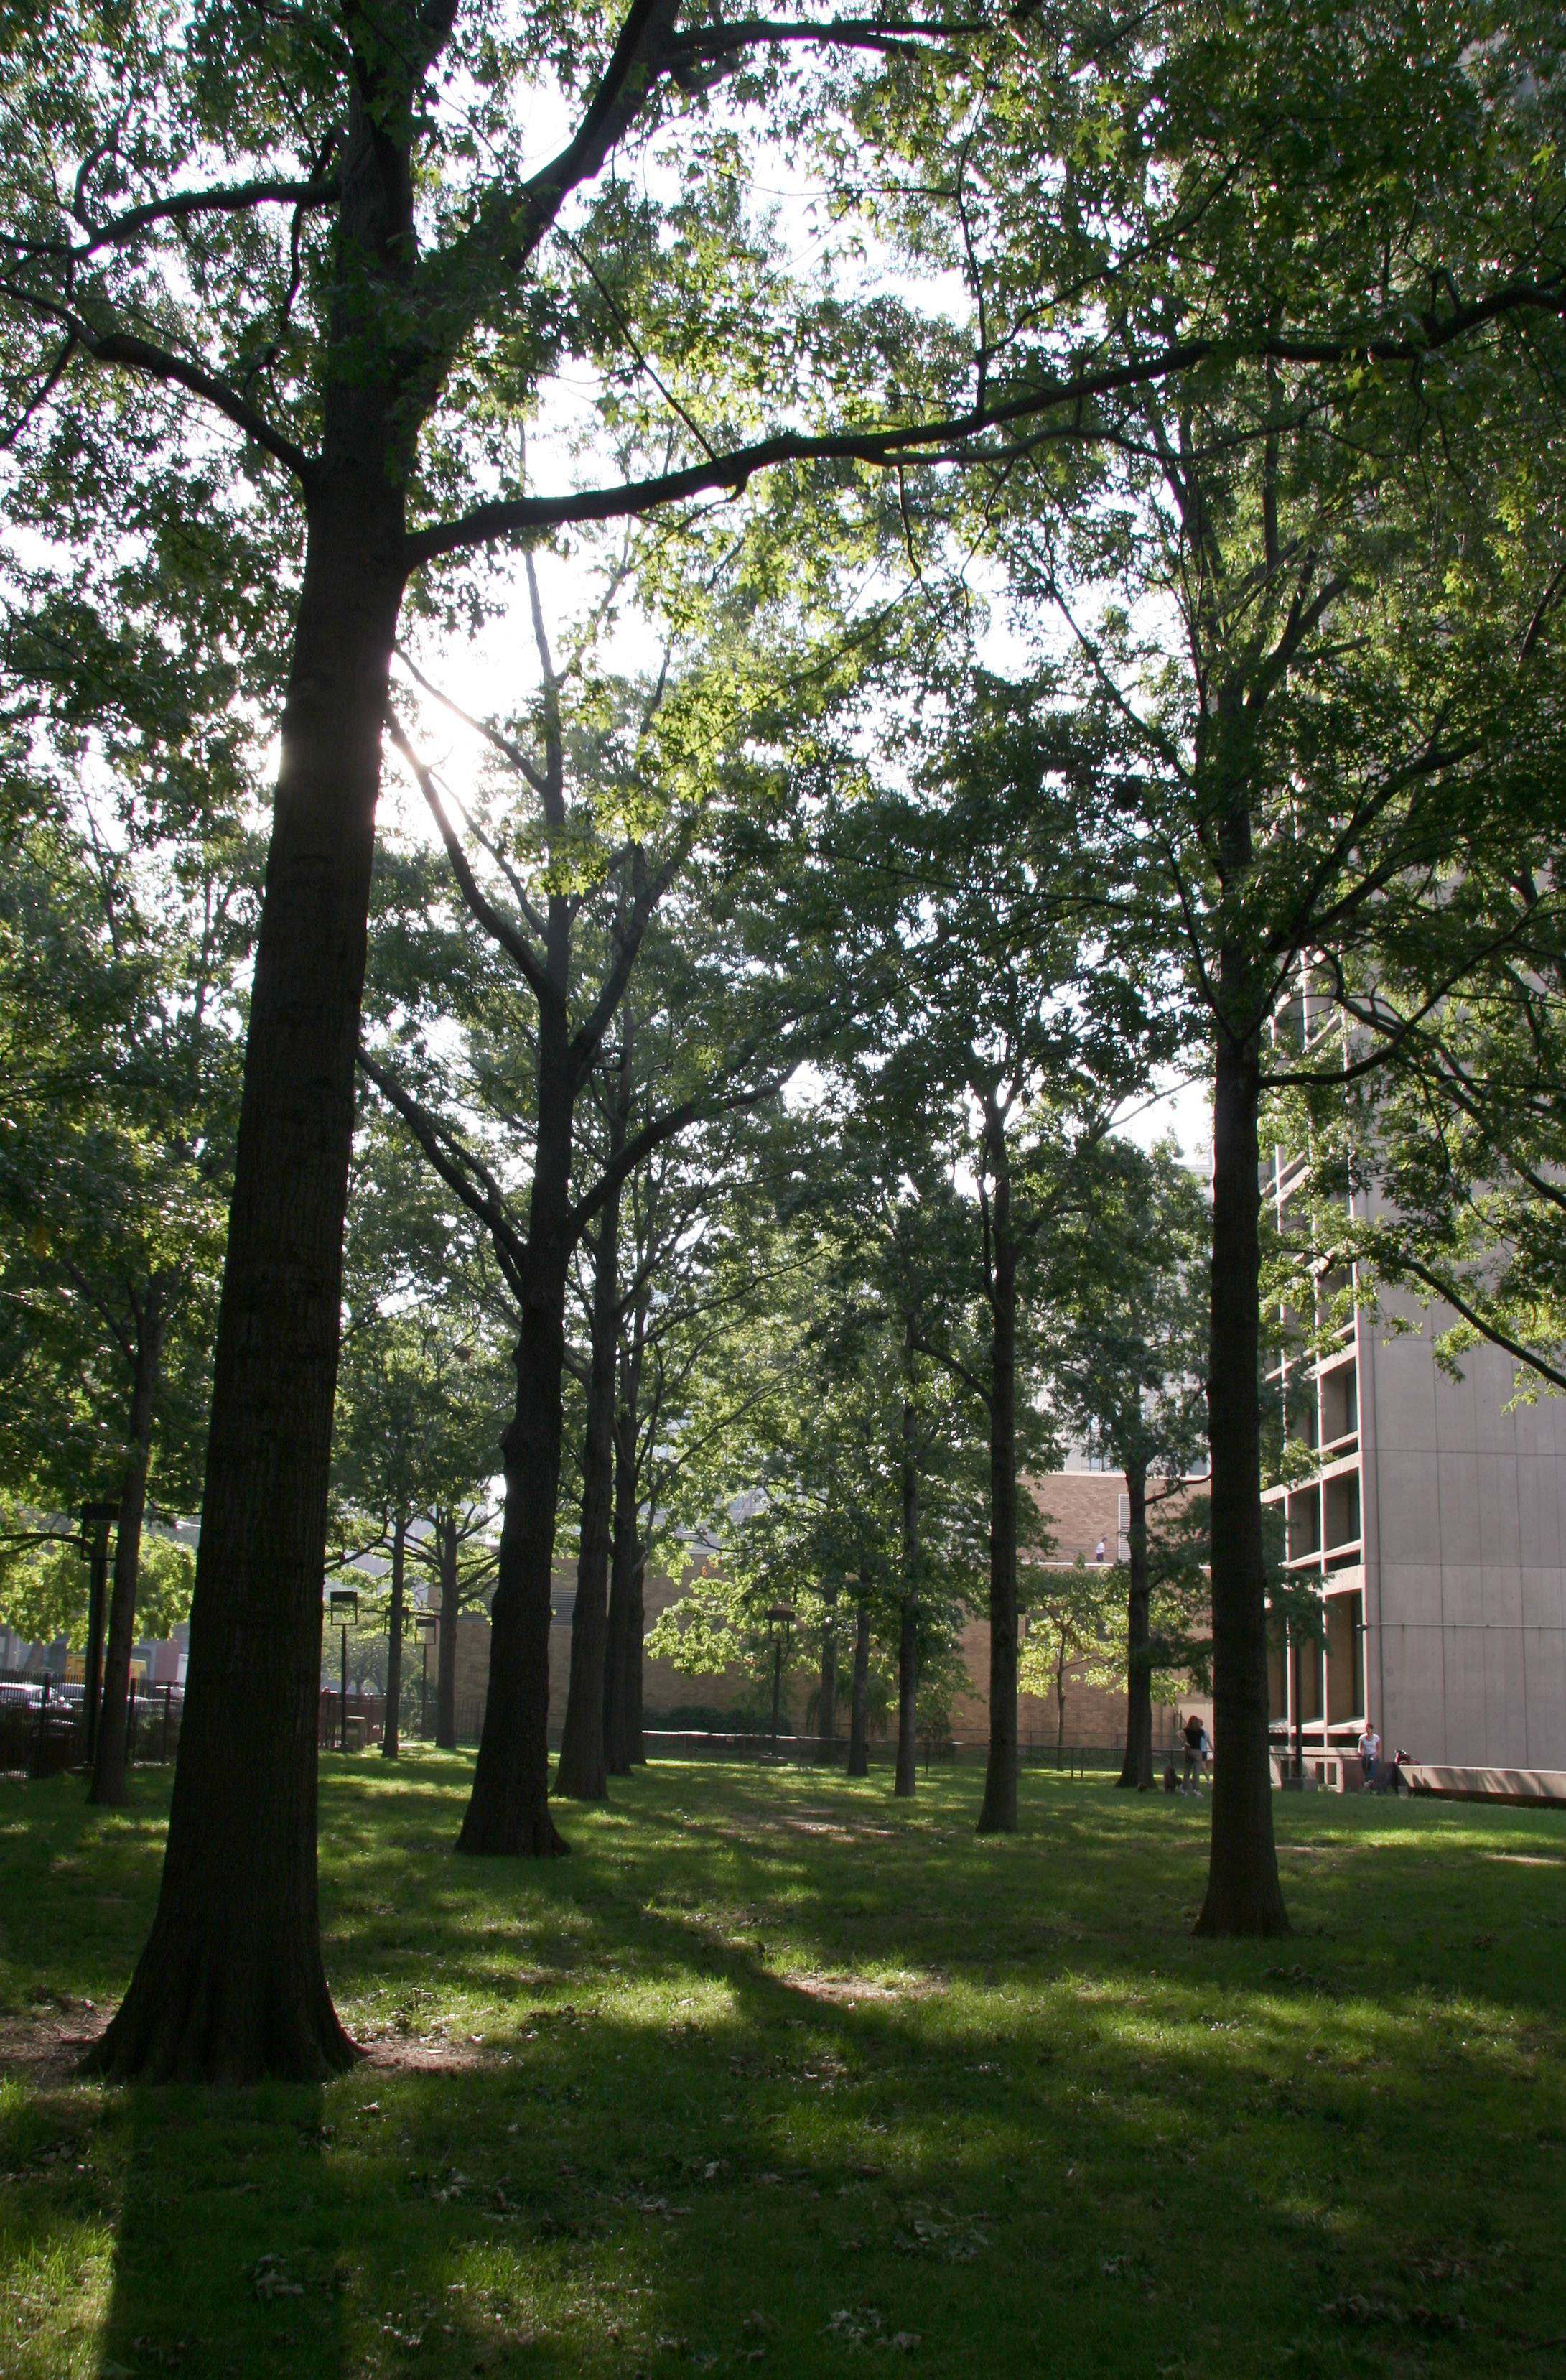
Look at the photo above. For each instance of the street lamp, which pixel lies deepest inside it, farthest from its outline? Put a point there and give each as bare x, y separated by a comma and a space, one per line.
95, 1520
343, 1604
428, 1627
782, 1616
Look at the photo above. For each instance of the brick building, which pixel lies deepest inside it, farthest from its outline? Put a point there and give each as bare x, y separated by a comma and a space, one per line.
1084, 1509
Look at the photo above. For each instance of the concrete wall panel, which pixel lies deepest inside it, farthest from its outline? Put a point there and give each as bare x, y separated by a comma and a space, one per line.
1412, 1668
1407, 1517
1543, 1677
1466, 1699
1456, 1481
1506, 1712
1501, 1541
1401, 1381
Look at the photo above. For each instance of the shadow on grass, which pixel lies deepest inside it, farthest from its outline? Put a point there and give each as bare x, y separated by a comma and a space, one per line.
775, 2070
231, 2233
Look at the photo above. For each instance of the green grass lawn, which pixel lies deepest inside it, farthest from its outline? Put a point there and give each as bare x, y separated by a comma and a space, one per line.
774, 2075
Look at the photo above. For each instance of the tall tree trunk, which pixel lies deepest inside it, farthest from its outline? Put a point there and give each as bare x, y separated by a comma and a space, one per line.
1137, 1768
1244, 1895
826, 1696
390, 1733
623, 1649
859, 1700
231, 1985
582, 1773
997, 1814
908, 1626
108, 1786
635, 1648
445, 1633
508, 1812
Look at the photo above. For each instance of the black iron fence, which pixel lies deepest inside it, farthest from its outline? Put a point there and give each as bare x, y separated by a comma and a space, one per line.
351, 1723
43, 1722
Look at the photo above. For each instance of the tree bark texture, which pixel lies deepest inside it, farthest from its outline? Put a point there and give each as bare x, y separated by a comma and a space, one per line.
1137, 1768
231, 1986
998, 1812
508, 1812
623, 1656
109, 1788
582, 1773
445, 1633
391, 1745
859, 1699
636, 1653
908, 1625
1244, 1895
826, 1696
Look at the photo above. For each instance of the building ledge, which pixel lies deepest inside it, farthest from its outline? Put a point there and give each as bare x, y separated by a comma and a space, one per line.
1544, 1786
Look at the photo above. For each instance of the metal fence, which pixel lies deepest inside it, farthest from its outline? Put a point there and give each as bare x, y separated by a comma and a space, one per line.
352, 1725
44, 1723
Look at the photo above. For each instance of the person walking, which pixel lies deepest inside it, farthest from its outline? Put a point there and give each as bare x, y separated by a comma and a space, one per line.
1193, 1736
1369, 1753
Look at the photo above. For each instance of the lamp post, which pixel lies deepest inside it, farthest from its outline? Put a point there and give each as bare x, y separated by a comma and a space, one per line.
428, 1624
95, 1520
781, 1617
343, 1603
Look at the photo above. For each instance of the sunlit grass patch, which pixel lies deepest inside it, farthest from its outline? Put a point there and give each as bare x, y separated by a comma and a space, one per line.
775, 2074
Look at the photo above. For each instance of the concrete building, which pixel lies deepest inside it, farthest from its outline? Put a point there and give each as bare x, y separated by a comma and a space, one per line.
1433, 1522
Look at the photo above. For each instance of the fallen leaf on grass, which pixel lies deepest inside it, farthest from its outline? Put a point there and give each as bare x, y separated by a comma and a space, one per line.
270, 2279
937, 2232
855, 2325
866, 2326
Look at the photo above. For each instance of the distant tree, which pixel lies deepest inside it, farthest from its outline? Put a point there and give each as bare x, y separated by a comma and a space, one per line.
1001, 1015
1296, 657
614, 796
1126, 1326
1074, 1616
417, 1402
117, 985
834, 1467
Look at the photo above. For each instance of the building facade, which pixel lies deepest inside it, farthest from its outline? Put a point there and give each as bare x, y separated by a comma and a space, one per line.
1432, 1523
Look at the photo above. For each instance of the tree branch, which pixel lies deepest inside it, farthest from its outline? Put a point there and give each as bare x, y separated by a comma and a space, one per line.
496, 922
462, 1173
157, 363
270, 190
880, 449
1404, 1262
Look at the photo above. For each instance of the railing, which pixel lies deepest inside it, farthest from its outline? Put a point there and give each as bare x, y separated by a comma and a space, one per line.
44, 1723
354, 1726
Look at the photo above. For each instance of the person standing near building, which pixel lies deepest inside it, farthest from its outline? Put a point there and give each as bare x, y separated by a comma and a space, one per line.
1192, 1738
1369, 1753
